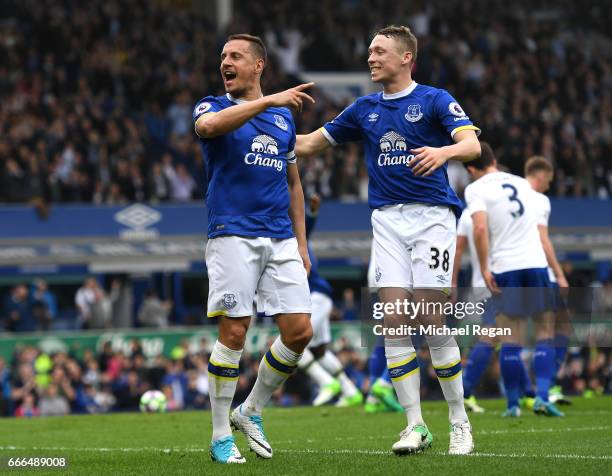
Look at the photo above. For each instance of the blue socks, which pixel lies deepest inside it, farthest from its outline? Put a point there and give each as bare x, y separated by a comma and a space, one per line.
526, 384
544, 367
477, 363
377, 365
511, 366
561, 343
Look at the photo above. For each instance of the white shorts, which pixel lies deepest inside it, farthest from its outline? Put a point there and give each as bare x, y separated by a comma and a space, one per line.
372, 269
414, 246
238, 267
321, 311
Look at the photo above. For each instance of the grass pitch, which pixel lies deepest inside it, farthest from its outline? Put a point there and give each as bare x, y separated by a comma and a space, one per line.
319, 441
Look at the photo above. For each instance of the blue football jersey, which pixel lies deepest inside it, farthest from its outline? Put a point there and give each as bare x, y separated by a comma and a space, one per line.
390, 125
247, 193
316, 282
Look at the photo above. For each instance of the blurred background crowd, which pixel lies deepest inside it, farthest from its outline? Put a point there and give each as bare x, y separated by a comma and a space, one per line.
97, 97
34, 383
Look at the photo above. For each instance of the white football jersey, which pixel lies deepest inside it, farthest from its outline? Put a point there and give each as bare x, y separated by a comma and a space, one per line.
514, 239
542, 204
465, 228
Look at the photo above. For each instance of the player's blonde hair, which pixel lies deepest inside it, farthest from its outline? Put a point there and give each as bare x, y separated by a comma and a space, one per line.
536, 164
402, 35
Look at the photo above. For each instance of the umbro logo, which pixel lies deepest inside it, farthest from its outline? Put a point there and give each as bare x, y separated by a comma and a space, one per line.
138, 217
373, 117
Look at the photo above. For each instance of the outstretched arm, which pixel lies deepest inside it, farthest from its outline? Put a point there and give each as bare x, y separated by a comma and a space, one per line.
311, 144
214, 124
296, 212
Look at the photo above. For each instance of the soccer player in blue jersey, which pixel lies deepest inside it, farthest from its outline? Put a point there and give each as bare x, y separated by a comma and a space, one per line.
256, 238
319, 362
409, 132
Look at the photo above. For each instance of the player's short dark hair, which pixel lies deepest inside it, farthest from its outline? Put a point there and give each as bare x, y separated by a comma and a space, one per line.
257, 45
536, 164
403, 35
486, 159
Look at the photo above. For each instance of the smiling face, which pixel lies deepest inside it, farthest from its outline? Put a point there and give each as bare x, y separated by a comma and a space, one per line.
240, 68
387, 60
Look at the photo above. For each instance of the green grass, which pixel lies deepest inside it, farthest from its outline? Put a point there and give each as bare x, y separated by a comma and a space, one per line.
320, 441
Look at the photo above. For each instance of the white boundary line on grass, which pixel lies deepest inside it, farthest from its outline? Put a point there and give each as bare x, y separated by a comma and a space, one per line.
480, 432
345, 451
304, 451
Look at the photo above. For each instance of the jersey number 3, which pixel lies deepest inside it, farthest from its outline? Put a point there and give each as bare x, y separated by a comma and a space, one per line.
513, 197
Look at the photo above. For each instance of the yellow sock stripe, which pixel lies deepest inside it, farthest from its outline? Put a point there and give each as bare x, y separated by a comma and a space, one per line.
403, 362
449, 371
447, 366
452, 377
276, 370
284, 362
229, 366
397, 379
219, 377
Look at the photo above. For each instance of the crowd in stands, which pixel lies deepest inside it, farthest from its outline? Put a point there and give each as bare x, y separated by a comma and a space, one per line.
96, 97
34, 383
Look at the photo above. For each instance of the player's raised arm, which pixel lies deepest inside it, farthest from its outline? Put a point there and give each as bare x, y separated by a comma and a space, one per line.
296, 212
214, 124
314, 143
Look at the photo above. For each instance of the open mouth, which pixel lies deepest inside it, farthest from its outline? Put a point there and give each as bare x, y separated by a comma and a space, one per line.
229, 76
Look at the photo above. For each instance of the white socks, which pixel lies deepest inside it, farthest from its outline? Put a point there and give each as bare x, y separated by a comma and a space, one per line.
222, 380
446, 360
332, 364
275, 367
314, 369
404, 371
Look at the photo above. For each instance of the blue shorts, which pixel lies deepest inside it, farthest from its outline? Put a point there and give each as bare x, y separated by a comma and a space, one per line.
525, 292
488, 316
559, 302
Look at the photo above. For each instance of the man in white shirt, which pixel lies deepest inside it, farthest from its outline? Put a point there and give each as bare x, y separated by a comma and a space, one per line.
514, 267
539, 173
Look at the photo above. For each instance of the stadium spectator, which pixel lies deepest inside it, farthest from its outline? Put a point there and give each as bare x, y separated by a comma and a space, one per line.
78, 127
28, 407
154, 312
348, 309
43, 304
52, 403
18, 312
93, 305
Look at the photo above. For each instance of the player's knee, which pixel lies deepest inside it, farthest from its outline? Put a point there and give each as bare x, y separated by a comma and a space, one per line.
299, 338
233, 336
